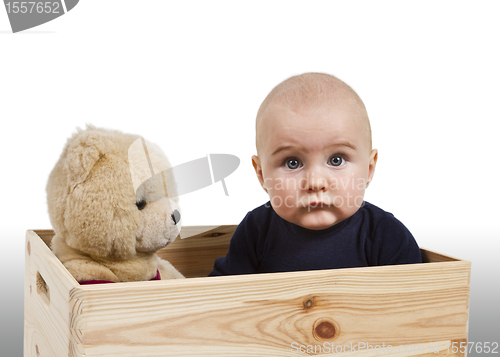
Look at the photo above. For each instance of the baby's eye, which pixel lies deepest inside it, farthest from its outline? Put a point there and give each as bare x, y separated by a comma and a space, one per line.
337, 160
292, 164
141, 204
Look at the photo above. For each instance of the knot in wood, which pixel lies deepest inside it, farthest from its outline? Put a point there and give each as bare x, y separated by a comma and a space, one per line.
325, 330
308, 303
215, 234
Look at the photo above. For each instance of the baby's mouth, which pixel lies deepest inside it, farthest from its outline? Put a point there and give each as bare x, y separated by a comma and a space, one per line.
317, 204
316, 201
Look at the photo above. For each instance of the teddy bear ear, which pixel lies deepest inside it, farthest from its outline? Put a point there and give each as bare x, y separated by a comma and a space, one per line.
83, 151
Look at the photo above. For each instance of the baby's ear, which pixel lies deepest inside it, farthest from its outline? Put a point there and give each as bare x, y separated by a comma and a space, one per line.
258, 170
83, 151
372, 163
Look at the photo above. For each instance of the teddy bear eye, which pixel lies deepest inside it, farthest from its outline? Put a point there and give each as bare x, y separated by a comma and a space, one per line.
140, 204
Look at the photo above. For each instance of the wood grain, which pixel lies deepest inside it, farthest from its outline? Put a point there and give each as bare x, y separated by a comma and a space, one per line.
194, 255
429, 256
47, 301
249, 315
263, 314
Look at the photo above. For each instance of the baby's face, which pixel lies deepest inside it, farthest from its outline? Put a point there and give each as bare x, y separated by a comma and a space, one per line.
315, 163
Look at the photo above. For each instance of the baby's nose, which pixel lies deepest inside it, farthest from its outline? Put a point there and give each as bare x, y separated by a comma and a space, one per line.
176, 216
316, 182
320, 186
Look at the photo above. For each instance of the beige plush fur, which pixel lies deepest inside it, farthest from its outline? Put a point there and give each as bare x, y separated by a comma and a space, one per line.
100, 232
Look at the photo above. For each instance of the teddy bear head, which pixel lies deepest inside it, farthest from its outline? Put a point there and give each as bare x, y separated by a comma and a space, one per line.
109, 200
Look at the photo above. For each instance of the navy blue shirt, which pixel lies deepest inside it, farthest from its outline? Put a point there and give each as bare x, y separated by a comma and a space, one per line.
265, 243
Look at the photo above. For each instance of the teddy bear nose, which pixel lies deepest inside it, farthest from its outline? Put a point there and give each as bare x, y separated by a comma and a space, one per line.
176, 216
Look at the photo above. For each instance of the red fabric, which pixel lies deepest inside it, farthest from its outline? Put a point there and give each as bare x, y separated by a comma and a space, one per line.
86, 282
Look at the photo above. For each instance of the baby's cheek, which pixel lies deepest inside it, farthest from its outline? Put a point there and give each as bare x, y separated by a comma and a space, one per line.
287, 212
354, 199
282, 200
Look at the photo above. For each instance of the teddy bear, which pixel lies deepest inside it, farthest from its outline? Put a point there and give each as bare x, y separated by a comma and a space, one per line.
112, 208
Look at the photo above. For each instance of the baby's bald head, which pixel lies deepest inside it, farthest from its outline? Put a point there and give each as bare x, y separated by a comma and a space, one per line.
311, 90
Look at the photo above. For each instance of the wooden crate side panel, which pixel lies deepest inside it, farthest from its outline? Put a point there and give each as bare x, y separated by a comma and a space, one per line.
195, 256
46, 301
429, 256
46, 235
262, 315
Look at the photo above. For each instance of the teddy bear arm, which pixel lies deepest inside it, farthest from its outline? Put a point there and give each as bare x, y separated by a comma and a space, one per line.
167, 270
80, 265
84, 270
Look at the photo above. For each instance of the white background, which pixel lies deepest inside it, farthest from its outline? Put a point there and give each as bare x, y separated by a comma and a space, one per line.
190, 76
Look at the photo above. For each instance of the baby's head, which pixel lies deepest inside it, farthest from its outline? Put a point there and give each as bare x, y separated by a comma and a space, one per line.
314, 151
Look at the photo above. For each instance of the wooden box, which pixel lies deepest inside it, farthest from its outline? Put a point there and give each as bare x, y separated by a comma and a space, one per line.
416, 309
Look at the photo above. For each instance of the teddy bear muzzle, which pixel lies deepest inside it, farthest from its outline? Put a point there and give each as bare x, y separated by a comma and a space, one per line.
159, 226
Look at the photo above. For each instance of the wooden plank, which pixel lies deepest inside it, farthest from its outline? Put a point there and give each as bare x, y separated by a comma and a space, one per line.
251, 315
193, 232
195, 256
262, 314
429, 256
46, 307
45, 234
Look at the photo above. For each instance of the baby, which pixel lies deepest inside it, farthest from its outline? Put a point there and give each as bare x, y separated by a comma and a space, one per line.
315, 160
